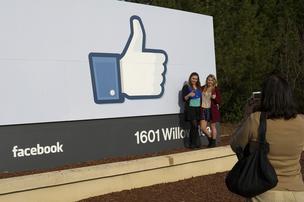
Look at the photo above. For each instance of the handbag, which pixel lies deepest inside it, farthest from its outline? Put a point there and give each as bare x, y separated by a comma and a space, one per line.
252, 174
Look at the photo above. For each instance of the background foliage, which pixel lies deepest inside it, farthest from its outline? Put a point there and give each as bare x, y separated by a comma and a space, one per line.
252, 39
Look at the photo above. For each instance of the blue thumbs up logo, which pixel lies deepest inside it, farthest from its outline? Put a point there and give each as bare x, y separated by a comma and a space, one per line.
136, 73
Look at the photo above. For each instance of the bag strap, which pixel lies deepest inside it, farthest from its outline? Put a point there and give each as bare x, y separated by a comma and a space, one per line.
262, 127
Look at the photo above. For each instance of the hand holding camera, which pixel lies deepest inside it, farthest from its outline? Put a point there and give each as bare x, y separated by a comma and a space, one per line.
253, 103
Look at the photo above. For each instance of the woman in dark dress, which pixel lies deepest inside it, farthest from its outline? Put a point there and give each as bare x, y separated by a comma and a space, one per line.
192, 94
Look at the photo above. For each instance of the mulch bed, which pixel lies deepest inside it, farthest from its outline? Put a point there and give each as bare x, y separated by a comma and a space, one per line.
204, 188
209, 188
199, 189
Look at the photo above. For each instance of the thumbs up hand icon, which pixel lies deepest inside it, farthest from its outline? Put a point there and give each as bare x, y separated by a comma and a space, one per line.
137, 73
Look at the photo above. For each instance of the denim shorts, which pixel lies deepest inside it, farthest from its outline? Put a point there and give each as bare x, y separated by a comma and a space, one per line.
206, 114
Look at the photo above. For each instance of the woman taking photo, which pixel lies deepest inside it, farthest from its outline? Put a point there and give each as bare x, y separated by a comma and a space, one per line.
285, 135
210, 113
191, 94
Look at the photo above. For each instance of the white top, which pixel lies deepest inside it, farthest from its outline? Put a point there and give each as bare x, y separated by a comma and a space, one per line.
206, 99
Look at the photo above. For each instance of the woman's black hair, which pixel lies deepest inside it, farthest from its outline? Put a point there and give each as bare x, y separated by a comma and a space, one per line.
277, 98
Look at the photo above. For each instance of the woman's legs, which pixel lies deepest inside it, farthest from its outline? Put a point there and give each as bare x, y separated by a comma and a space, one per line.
194, 136
203, 126
213, 134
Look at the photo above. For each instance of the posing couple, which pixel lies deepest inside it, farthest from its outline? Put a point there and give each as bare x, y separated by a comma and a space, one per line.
201, 108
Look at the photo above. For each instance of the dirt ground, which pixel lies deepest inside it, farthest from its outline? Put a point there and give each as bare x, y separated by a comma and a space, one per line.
209, 188
204, 188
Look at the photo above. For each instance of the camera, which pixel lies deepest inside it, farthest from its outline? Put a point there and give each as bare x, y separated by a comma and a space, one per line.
256, 95
253, 103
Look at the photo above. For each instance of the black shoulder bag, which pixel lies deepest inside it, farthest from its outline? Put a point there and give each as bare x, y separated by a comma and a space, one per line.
252, 174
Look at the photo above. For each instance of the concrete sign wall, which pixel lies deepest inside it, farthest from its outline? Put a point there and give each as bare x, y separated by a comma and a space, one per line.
85, 80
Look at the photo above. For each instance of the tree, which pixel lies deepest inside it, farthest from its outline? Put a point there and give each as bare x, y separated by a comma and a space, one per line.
252, 39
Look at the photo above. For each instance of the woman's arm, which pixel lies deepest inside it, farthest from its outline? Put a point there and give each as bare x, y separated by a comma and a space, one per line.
241, 135
186, 94
216, 96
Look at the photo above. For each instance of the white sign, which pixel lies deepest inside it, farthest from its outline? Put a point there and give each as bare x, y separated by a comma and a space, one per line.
53, 59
